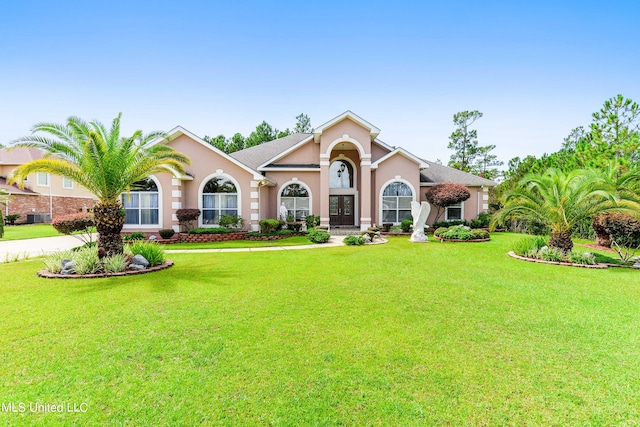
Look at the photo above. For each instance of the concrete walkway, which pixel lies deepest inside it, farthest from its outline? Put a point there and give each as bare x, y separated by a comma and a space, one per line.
14, 250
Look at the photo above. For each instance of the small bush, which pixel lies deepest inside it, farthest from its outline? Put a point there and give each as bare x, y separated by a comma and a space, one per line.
269, 225
231, 222
525, 247
166, 233
12, 217
1, 225
212, 230
387, 227
72, 223
115, 263
136, 235
53, 262
87, 261
482, 221
548, 253
624, 231
458, 232
312, 221
477, 233
447, 224
406, 225
439, 231
294, 226
186, 217
584, 258
152, 251
318, 236
354, 240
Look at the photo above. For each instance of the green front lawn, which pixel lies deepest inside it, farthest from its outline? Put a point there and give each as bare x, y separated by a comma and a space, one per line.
29, 231
397, 334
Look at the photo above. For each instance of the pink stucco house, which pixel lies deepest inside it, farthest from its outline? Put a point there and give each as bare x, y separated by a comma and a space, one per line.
341, 172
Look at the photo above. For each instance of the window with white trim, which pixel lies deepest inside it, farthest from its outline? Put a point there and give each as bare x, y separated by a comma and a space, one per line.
396, 202
67, 183
296, 199
42, 179
142, 204
219, 197
454, 212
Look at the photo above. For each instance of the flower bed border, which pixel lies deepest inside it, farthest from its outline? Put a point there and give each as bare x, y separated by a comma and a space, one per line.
47, 275
568, 264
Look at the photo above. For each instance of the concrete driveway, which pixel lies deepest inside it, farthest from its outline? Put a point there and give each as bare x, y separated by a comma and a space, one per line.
29, 248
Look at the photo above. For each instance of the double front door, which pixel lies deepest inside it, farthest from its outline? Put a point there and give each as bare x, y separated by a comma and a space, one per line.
341, 210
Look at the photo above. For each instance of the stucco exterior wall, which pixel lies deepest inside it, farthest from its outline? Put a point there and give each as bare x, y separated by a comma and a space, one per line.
349, 127
377, 152
309, 179
309, 153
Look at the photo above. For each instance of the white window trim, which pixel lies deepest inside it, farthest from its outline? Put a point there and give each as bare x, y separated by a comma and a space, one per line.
200, 194
384, 187
160, 221
38, 175
302, 184
446, 212
64, 181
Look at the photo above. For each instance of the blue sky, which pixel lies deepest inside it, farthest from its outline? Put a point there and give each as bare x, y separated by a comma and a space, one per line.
535, 69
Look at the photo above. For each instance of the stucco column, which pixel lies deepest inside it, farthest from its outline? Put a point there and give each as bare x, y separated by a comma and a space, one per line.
365, 192
324, 190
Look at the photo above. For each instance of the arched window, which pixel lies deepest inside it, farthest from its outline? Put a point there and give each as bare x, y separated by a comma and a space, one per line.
141, 203
341, 174
219, 197
396, 202
296, 199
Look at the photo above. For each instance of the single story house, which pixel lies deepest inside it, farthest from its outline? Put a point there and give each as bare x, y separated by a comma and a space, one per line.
342, 172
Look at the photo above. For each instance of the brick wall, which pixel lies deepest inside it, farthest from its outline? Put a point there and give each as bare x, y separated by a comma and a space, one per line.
26, 205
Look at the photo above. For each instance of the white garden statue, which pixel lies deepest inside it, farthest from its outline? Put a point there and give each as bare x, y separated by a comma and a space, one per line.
284, 212
420, 212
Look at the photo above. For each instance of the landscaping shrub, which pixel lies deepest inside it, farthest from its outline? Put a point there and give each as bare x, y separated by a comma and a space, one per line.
294, 226
53, 262
1, 225
624, 231
115, 263
354, 240
72, 223
211, 230
477, 233
166, 233
152, 251
87, 261
481, 222
549, 253
447, 224
529, 245
12, 218
584, 258
603, 238
457, 232
186, 217
318, 236
387, 227
439, 231
446, 194
312, 221
136, 235
269, 225
406, 225
232, 222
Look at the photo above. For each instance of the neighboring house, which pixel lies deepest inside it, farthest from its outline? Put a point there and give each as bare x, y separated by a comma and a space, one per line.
341, 172
44, 196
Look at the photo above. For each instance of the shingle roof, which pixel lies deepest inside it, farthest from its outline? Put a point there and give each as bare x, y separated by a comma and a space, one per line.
437, 173
255, 156
14, 189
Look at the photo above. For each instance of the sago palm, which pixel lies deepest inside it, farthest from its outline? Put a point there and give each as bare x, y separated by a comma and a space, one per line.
560, 200
102, 161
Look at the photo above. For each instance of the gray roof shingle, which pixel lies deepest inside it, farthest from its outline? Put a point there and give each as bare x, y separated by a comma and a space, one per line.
255, 156
437, 173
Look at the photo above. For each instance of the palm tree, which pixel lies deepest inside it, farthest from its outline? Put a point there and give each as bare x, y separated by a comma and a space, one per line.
101, 160
561, 201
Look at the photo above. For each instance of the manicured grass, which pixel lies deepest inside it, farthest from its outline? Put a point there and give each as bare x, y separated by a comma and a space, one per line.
31, 231
289, 241
398, 334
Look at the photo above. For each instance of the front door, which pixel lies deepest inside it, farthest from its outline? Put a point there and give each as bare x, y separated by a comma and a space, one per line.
341, 210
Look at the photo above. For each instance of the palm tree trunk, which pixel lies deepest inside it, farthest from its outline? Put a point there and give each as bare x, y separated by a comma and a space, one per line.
561, 240
109, 219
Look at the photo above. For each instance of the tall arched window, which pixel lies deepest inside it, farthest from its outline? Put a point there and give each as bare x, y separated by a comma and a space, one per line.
341, 174
296, 199
396, 202
219, 197
141, 203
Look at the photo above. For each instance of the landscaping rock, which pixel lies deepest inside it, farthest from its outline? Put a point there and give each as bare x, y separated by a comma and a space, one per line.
152, 238
139, 260
68, 267
136, 267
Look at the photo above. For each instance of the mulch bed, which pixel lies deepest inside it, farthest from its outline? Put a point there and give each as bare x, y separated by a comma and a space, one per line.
47, 275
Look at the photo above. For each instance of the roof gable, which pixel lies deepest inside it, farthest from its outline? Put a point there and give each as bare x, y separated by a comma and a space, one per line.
401, 151
351, 116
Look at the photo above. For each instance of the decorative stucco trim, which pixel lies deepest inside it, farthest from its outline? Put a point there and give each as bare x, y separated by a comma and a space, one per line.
403, 152
363, 153
348, 115
201, 187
